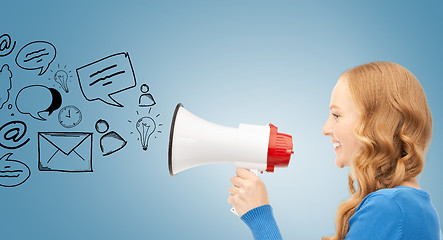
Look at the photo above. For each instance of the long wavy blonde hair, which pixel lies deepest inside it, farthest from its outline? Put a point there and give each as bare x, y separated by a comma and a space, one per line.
394, 131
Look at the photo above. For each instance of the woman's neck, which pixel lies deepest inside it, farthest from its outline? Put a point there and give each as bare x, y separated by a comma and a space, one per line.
411, 183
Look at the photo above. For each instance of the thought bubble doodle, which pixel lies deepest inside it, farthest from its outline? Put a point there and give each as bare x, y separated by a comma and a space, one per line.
36, 55
36, 99
12, 172
5, 84
12, 133
105, 77
5, 45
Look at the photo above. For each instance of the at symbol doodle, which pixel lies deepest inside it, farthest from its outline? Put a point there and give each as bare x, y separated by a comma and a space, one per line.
5, 44
11, 135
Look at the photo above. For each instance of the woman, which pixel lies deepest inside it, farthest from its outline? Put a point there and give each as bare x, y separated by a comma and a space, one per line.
380, 126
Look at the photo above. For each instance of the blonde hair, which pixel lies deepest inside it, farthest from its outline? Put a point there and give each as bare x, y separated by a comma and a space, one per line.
394, 131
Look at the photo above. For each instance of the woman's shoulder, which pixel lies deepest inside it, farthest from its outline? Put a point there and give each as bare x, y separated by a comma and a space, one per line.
401, 196
406, 209
396, 199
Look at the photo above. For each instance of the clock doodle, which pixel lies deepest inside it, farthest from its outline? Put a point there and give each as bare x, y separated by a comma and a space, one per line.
69, 116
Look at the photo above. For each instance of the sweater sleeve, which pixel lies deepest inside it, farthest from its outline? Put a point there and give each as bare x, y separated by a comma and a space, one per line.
262, 223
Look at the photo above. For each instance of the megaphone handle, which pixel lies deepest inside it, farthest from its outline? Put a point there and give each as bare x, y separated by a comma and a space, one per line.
255, 172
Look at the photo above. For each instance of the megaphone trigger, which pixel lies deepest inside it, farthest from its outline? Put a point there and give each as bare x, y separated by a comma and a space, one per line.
254, 171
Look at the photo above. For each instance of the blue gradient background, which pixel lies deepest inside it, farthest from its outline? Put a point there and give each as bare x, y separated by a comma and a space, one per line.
228, 62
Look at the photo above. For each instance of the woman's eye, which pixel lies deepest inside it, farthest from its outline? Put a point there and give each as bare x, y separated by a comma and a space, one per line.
335, 115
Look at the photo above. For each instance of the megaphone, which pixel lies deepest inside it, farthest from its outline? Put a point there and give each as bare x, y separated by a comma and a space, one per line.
194, 141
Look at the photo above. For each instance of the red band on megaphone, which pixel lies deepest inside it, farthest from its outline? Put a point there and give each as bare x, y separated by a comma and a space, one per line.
279, 149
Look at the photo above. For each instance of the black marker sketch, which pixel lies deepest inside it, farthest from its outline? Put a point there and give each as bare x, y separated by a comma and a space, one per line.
33, 99
69, 116
10, 107
36, 55
101, 126
5, 45
12, 172
12, 133
146, 99
5, 84
105, 77
65, 151
111, 142
146, 127
61, 76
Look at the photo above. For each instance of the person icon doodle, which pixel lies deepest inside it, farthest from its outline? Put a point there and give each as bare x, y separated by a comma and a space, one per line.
146, 99
110, 142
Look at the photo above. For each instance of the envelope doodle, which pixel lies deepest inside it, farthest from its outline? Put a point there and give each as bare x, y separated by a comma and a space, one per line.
65, 151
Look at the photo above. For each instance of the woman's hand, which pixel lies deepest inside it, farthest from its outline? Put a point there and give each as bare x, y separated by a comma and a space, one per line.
248, 192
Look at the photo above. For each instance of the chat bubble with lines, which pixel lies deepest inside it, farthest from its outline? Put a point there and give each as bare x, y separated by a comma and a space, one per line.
36, 55
12, 172
105, 77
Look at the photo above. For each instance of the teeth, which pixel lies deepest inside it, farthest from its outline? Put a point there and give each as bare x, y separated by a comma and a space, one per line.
336, 144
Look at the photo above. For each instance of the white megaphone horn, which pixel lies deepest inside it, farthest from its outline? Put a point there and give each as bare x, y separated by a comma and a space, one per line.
194, 141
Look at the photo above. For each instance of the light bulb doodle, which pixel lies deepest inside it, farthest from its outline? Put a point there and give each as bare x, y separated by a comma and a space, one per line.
145, 127
61, 76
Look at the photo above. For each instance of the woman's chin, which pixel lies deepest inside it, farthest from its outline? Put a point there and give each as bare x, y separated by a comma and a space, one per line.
340, 163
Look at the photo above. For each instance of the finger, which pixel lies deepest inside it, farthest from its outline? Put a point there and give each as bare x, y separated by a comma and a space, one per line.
244, 173
230, 200
233, 190
238, 182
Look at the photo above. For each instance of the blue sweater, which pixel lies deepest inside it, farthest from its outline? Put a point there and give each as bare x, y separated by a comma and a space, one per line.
393, 213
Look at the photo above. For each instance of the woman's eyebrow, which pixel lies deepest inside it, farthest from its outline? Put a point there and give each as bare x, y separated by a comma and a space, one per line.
334, 106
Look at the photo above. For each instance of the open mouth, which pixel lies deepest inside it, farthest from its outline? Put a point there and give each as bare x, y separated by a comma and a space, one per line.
337, 146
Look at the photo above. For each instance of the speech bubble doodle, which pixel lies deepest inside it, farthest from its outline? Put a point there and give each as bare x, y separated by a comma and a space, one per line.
12, 133
36, 55
105, 77
5, 84
12, 172
5, 45
33, 99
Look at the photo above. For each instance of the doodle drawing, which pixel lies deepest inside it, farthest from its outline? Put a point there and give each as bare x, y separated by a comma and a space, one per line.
12, 135
5, 45
36, 55
69, 116
65, 151
110, 142
105, 77
37, 99
146, 99
12, 172
5, 84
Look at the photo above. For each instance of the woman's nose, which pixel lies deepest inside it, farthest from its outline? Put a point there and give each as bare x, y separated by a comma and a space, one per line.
327, 128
